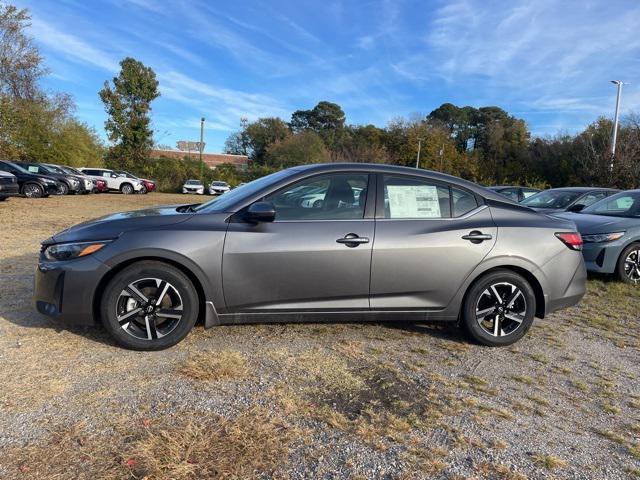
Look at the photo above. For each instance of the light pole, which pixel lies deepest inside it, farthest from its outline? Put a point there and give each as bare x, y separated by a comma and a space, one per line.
418, 156
614, 138
201, 145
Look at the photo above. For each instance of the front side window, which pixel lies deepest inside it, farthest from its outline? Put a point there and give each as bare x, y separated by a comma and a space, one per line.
622, 204
339, 196
592, 198
511, 193
409, 197
552, 199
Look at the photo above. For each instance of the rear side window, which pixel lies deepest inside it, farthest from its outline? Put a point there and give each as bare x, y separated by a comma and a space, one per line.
408, 197
463, 202
91, 172
511, 193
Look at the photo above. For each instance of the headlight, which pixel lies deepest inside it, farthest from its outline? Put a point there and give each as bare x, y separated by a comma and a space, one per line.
68, 251
72, 181
602, 237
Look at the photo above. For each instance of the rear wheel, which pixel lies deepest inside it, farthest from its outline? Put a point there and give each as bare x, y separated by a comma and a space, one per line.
628, 268
126, 188
32, 190
149, 306
499, 308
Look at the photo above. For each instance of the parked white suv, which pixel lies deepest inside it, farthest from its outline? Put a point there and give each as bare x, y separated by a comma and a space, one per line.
113, 180
218, 188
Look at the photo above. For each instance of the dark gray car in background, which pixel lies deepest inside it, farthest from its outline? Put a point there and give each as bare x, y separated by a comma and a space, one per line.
410, 245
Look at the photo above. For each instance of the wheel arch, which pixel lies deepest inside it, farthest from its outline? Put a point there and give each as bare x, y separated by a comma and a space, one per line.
174, 263
523, 272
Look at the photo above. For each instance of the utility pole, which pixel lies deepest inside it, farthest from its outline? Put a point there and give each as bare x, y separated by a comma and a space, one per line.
418, 156
614, 138
201, 146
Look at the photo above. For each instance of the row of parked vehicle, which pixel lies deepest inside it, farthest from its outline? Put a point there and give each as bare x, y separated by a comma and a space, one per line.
197, 187
37, 180
607, 219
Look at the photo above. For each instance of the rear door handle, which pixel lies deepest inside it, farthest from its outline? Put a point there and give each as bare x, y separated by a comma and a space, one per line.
352, 240
477, 237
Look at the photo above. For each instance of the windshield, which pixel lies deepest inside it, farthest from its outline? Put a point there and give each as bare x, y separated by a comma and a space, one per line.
193, 182
223, 202
55, 169
219, 184
17, 167
625, 204
552, 199
71, 170
125, 174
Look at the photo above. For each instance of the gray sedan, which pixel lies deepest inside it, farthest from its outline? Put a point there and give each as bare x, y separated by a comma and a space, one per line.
386, 243
611, 233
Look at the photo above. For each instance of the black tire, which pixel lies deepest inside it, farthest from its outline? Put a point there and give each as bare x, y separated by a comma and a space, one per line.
126, 188
629, 273
2, 199
63, 189
143, 190
481, 308
32, 190
133, 330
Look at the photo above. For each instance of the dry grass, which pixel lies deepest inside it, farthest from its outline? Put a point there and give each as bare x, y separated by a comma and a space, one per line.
549, 462
188, 445
214, 366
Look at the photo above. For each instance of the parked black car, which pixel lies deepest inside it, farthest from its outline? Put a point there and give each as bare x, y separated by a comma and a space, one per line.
567, 199
8, 185
32, 185
67, 183
517, 194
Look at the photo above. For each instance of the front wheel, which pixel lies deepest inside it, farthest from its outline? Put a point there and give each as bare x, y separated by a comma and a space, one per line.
62, 189
149, 306
127, 189
628, 267
499, 308
32, 190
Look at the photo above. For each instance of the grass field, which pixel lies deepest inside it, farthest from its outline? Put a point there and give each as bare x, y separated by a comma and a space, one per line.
392, 400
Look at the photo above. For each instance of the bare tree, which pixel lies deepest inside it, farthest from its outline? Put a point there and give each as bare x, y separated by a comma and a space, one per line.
20, 61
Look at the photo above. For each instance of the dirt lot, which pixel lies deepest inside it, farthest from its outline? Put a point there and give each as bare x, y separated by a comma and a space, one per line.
309, 401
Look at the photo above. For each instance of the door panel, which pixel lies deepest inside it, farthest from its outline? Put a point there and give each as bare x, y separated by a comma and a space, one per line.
296, 266
420, 264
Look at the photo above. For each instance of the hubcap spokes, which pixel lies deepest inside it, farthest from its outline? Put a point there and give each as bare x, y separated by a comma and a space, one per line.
149, 308
501, 308
632, 266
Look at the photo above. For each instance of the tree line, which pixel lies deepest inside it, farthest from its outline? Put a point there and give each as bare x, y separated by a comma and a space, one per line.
485, 144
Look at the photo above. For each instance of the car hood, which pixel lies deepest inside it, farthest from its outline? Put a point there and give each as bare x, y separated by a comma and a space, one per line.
597, 223
114, 225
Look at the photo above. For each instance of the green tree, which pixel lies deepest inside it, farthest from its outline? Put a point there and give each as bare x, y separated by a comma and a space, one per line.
297, 149
263, 133
327, 119
128, 104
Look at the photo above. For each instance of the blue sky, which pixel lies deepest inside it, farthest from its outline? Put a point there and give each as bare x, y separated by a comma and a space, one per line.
546, 61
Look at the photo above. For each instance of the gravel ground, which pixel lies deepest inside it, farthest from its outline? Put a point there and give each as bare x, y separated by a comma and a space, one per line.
389, 400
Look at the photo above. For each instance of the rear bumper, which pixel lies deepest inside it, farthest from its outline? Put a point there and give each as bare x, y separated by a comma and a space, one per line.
9, 190
66, 290
565, 294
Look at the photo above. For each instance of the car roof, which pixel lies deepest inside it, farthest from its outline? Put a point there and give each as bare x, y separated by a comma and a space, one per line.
401, 170
581, 189
495, 187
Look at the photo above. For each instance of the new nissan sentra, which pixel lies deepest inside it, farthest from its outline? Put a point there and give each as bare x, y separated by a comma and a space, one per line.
611, 232
411, 245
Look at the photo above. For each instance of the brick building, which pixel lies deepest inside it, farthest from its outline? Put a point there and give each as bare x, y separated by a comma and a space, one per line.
212, 160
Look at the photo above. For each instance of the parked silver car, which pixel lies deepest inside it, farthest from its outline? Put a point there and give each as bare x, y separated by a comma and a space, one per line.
412, 245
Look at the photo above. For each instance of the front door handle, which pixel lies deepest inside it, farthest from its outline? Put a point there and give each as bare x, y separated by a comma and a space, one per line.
477, 237
352, 240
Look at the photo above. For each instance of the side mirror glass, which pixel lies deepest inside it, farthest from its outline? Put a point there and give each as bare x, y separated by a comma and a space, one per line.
578, 207
261, 212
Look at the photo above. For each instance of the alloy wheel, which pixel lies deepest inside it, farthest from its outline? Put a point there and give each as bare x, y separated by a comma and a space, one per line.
501, 308
149, 308
31, 190
632, 266
127, 189
62, 189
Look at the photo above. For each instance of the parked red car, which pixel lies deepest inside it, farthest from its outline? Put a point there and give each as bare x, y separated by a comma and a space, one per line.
99, 186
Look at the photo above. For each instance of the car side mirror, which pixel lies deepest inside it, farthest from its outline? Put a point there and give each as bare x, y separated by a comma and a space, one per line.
261, 212
578, 207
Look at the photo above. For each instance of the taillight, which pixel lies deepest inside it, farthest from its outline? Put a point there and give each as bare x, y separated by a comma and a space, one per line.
572, 240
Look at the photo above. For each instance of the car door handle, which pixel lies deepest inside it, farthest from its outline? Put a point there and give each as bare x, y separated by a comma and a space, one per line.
352, 240
477, 237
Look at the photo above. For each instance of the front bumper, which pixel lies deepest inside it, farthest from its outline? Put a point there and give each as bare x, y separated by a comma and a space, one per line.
217, 191
199, 191
66, 290
602, 257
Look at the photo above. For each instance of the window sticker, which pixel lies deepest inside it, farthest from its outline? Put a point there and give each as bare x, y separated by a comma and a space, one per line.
33, 169
413, 201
